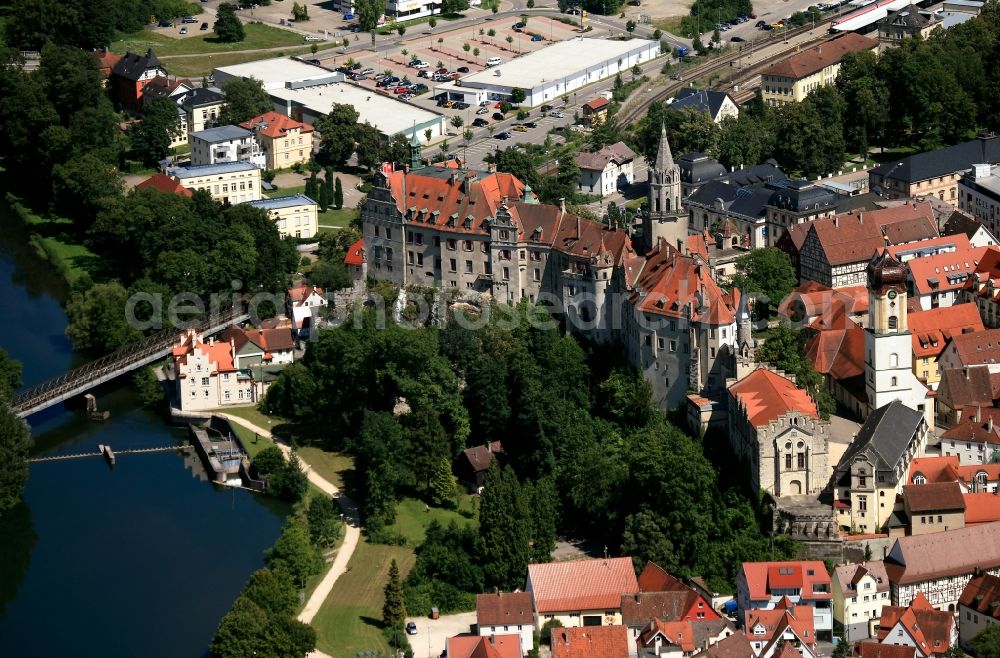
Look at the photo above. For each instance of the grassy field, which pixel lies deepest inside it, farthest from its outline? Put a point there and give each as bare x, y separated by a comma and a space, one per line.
671, 25
330, 465
258, 36
350, 617
413, 516
331, 218
196, 66
254, 416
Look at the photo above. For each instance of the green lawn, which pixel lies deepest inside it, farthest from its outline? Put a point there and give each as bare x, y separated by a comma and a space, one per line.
331, 218
413, 516
258, 36
254, 416
253, 443
330, 465
350, 618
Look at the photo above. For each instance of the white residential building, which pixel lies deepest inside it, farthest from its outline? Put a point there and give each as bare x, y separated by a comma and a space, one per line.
607, 170
225, 144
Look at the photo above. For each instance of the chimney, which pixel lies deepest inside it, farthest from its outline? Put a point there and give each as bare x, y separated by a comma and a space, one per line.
454, 176
966, 371
579, 234
562, 204
836, 221
989, 424
861, 218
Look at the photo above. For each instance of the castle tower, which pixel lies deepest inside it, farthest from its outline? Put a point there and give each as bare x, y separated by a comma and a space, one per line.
664, 216
888, 343
746, 346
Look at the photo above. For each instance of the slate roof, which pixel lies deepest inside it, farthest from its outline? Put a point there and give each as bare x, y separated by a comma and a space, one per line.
590, 642
982, 594
934, 497
942, 162
888, 431
706, 100
715, 189
504, 608
921, 558
221, 134
699, 168
278, 202
961, 223
803, 195
814, 59
581, 584
201, 97
132, 65
766, 172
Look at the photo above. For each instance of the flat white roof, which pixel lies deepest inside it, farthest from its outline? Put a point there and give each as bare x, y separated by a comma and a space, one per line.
387, 114
274, 73
555, 62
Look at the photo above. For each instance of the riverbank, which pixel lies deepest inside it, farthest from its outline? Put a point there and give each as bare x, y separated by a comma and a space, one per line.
52, 240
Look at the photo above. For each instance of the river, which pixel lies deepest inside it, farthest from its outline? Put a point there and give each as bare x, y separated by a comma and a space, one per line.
142, 559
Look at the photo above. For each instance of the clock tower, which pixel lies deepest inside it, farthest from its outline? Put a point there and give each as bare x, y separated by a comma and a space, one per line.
888, 343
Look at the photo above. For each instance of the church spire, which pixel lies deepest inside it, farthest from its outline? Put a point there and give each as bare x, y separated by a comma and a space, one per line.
664, 158
415, 157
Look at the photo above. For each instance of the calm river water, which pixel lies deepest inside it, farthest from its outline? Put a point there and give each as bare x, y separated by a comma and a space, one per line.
140, 560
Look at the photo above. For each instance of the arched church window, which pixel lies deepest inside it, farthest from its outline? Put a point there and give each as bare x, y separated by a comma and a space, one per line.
894, 381
893, 360
893, 322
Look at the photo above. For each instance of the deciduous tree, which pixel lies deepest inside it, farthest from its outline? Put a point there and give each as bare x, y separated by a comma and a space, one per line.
245, 99
228, 27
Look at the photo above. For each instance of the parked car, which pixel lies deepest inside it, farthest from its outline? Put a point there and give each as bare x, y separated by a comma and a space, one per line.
480, 122
184, 30
368, 71
419, 88
411, 628
546, 108
766, 28
461, 105
423, 74
204, 26
406, 97
498, 116
503, 134
530, 124
454, 76
358, 77
313, 37
761, 24
348, 17
482, 110
483, 103
537, 37
737, 39
420, 64
189, 19
517, 27
521, 129
441, 71
556, 115
462, 69
355, 66
165, 24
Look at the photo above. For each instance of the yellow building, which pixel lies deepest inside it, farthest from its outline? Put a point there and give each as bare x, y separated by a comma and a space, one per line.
931, 330
227, 182
202, 108
791, 79
283, 140
859, 593
296, 215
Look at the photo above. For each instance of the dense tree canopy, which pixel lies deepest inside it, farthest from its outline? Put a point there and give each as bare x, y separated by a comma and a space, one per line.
785, 349
228, 27
767, 273
15, 438
245, 99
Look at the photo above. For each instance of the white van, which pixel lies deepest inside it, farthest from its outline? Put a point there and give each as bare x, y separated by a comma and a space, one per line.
420, 64
493, 61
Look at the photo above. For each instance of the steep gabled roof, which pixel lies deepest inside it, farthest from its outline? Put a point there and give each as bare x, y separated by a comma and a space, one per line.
839, 353
932, 329
163, 183
272, 124
962, 387
639, 608
132, 65
854, 237
888, 431
934, 497
706, 100
981, 507
655, 578
982, 594
355, 253
982, 425
848, 575
921, 558
934, 469
929, 628
735, 646
766, 396
979, 348
874, 649
504, 608
673, 285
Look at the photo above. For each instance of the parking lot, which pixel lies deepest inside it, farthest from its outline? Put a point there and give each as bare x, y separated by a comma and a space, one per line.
432, 634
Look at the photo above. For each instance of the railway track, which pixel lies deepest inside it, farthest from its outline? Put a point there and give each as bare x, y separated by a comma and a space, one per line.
633, 112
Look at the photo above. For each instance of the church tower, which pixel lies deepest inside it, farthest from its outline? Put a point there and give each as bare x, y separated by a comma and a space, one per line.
746, 346
888, 343
664, 216
416, 162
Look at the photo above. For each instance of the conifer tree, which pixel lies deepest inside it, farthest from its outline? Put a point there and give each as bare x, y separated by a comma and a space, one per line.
505, 529
338, 194
324, 198
443, 482
394, 609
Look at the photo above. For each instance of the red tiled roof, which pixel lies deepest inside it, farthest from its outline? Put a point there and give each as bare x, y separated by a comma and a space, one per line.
815, 59
272, 124
669, 284
301, 290
677, 633
106, 61
475, 646
595, 104
879, 650
982, 594
655, 578
735, 646
799, 618
982, 425
355, 254
504, 608
922, 558
638, 609
944, 272
590, 642
849, 575
854, 237
766, 396
980, 348
806, 574
581, 584
930, 330
934, 469
480, 457
829, 307
957, 241
163, 183
934, 497
967, 474
981, 507
218, 352
839, 353
929, 628
479, 198
962, 387
268, 340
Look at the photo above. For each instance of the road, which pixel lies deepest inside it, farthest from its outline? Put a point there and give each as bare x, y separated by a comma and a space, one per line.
352, 525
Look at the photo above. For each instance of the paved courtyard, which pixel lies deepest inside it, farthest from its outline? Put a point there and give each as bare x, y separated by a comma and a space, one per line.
432, 634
